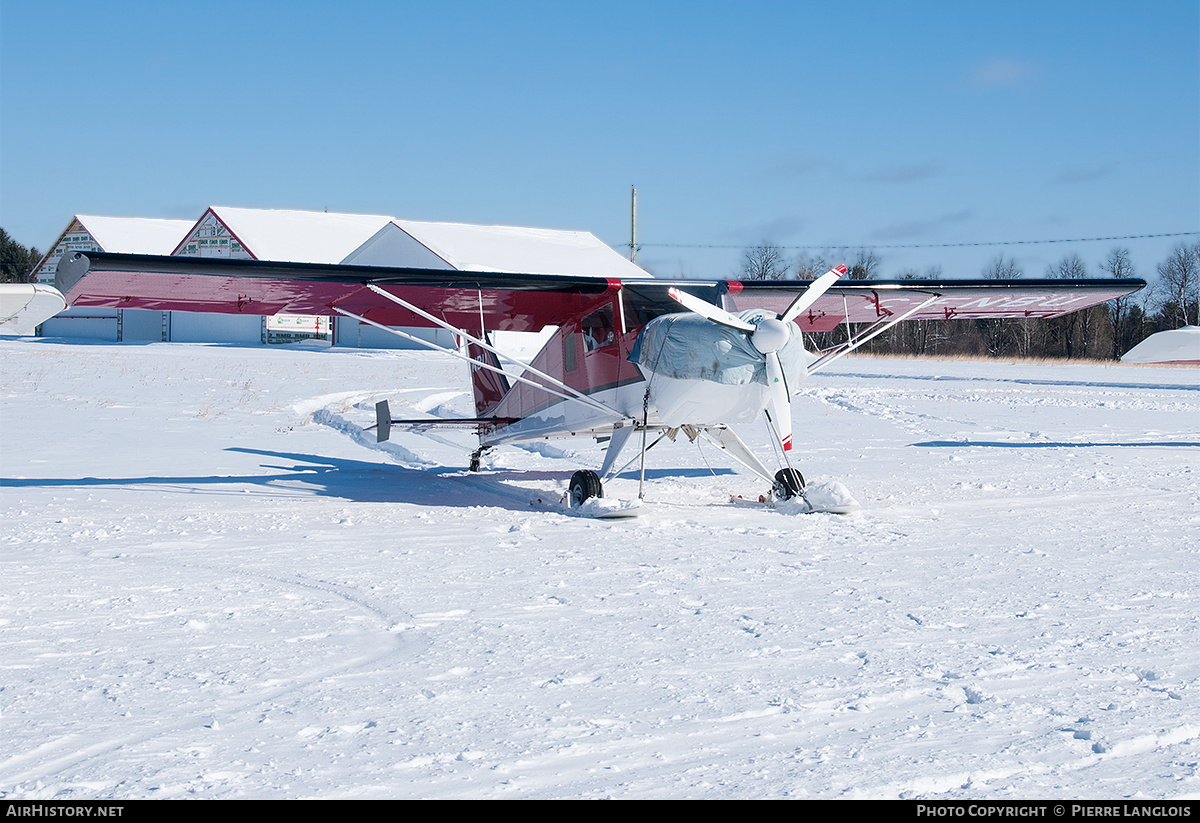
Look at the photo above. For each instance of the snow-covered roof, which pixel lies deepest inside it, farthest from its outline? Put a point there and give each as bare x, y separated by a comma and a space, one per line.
1176, 346
134, 235
125, 235
288, 235
372, 239
514, 249
298, 236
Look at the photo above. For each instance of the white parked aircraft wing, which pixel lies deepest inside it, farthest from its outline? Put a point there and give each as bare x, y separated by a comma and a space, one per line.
24, 305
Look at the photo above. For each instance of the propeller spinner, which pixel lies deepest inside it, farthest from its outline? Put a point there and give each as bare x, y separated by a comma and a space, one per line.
768, 336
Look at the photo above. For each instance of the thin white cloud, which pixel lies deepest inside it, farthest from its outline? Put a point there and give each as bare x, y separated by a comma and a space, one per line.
1003, 73
791, 167
905, 231
909, 173
1075, 176
917, 229
777, 230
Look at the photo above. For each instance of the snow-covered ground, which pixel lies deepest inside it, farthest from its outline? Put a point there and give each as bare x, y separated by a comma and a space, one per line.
211, 587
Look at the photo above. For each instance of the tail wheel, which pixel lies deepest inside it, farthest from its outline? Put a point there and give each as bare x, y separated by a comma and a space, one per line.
584, 484
477, 458
788, 483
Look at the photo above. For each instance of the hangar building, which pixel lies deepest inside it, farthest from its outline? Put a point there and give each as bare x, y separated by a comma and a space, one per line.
126, 235
322, 237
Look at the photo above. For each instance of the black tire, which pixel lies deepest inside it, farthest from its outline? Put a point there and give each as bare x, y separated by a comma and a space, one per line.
584, 484
788, 483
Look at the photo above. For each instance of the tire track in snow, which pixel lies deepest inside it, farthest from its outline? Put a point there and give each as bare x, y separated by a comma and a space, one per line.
975, 782
391, 648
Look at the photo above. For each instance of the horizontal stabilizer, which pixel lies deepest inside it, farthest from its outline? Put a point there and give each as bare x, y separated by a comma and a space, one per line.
455, 422
384, 422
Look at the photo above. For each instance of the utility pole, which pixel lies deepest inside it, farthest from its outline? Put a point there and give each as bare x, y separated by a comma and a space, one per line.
633, 227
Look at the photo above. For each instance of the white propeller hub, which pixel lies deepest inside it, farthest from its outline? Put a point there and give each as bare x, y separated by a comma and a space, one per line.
771, 335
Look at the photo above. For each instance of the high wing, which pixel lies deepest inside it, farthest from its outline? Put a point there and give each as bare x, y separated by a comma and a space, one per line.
467, 300
871, 307
529, 302
869, 301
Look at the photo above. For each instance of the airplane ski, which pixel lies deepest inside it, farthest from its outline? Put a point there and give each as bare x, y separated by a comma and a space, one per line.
819, 497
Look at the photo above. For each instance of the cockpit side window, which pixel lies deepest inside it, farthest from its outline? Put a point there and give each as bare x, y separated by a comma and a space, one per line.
598, 330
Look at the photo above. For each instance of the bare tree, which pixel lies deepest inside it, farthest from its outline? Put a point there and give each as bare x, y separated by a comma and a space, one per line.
999, 335
1072, 329
932, 333
1119, 265
865, 266
810, 268
1146, 300
763, 262
1177, 278
1003, 268
915, 336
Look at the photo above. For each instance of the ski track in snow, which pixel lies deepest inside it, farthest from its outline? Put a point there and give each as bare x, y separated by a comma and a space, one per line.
216, 585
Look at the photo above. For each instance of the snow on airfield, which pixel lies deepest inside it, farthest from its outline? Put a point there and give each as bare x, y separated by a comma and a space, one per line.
212, 588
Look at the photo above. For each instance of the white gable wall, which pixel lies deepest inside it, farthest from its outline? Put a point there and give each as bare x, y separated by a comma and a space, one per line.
393, 246
299, 236
123, 235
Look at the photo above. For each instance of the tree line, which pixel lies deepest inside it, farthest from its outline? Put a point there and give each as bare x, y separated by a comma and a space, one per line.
16, 261
1102, 332
1106, 331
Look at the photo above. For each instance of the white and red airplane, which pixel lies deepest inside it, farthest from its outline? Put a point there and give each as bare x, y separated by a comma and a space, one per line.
646, 357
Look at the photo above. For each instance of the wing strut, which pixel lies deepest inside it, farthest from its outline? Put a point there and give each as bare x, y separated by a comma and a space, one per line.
577, 395
872, 332
728, 440
462, 356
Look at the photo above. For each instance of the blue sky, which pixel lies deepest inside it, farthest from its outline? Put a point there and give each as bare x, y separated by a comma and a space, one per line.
801, 124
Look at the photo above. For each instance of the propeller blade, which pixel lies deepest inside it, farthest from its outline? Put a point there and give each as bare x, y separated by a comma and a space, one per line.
810, 295
708, 310
781, 401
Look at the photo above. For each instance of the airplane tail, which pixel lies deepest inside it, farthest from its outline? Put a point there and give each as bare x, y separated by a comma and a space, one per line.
488, 386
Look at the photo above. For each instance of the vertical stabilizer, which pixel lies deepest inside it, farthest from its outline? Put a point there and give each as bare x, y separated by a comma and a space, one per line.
383, 421
488, 386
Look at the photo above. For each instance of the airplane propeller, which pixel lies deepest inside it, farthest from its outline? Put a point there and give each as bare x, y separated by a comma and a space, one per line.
768, 336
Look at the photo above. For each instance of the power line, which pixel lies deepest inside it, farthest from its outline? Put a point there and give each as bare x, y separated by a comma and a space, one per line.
914, 245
